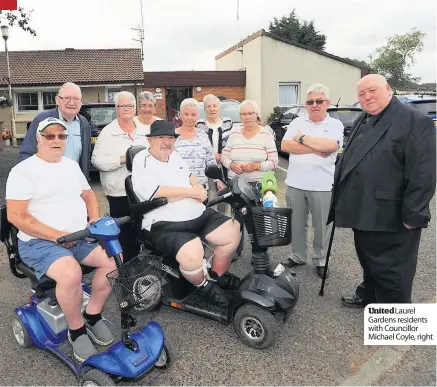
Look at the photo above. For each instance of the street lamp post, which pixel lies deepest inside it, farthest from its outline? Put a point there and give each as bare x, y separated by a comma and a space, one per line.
5, 35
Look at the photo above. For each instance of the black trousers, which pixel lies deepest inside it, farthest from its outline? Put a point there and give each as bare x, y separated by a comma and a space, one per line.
389, 261
118, 207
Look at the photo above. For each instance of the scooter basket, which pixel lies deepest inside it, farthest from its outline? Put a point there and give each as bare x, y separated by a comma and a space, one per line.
137, 284
272, 226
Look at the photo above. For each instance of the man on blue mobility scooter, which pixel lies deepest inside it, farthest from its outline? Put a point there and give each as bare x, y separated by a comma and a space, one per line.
176, 228
48, 197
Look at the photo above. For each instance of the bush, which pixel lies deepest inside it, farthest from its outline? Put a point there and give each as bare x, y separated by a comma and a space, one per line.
277, 111
5, 101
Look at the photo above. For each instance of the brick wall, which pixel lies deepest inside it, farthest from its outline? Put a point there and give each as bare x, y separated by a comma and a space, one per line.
160, 103
230, 92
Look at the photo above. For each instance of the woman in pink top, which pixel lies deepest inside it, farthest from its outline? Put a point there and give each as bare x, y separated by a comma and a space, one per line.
251, 151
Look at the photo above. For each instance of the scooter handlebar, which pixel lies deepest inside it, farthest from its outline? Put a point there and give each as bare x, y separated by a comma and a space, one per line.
123, 220
75, 236
218, 199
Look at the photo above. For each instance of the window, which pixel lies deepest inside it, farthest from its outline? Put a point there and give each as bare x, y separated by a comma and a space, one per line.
288, 94
27, 101
111, 94
48, 99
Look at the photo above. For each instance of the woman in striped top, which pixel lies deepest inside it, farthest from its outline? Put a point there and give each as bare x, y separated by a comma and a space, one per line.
251, 151
192, 144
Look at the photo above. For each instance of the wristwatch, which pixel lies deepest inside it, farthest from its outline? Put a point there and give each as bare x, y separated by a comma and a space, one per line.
301, 139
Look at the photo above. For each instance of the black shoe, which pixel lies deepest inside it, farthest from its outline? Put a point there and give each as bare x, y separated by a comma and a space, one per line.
226, 280
214, 294
291, 263
320, 270
354, 302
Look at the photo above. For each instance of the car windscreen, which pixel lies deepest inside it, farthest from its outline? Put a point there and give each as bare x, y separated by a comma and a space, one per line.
425, 107
229, 110
347, 117
99, 116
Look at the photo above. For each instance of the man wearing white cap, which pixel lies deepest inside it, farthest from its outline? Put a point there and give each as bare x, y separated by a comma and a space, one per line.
47, 196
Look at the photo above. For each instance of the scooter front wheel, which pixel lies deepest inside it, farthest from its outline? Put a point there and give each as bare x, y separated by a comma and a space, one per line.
95, 377
257, 327
20, 333
165, 358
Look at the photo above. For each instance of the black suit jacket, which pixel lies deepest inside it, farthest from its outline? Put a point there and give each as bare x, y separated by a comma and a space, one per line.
391, 177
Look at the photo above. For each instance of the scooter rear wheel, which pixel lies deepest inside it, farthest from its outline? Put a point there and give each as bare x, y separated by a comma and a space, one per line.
255, 326
20, 333
95, 377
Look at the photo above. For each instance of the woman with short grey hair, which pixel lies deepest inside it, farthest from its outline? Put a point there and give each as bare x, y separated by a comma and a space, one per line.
109, 157
146, 111
193, 144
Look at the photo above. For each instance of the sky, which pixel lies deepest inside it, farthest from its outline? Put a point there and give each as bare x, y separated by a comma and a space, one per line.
188, 34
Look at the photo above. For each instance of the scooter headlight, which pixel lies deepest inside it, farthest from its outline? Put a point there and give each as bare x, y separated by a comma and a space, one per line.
279, 269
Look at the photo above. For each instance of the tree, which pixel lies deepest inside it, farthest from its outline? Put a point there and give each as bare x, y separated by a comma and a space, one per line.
397, 56
358, 62
289, 27
19, 18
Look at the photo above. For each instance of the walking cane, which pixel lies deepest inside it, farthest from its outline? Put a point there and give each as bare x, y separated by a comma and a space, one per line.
328, 254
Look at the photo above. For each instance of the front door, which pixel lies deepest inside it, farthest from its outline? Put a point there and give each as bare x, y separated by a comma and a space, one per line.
174, 97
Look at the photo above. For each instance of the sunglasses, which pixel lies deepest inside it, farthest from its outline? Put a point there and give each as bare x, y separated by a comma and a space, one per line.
51, 137
317, 101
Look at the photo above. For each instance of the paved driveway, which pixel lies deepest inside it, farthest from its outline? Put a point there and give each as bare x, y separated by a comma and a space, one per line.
322, 345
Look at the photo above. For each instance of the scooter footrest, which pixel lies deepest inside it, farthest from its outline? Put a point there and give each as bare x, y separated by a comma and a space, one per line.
195, 299
67, 349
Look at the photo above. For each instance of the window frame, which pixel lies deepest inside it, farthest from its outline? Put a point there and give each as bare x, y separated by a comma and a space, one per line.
297, 85
18, 93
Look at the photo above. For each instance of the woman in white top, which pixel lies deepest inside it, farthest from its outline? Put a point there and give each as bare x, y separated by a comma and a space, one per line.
109, 157
146, 111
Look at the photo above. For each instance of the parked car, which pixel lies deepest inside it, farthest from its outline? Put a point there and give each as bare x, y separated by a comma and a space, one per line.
98, 115
425, 103
346, 114
229, 108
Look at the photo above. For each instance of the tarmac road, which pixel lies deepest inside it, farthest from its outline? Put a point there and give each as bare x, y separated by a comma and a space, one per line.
322, 345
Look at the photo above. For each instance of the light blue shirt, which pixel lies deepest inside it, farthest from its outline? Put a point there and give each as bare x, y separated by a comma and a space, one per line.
73, 149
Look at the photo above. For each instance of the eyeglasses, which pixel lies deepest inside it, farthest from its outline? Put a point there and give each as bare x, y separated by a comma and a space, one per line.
317, 101
69, 99
51, 137
125, 106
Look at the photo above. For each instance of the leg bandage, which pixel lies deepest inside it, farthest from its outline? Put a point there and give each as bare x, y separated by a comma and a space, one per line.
191, 272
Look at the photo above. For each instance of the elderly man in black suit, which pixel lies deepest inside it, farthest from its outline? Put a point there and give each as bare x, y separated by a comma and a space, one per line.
382, 188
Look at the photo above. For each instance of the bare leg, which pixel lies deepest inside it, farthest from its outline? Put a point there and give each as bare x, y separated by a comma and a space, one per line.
100, 284
226, 239
68, 276
190, 258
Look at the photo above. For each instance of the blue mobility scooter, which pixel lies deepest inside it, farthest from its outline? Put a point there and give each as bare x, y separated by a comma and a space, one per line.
42, 323
266, 296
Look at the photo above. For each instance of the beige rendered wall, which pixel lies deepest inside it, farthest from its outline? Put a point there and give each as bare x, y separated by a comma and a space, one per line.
250, 60
283, 62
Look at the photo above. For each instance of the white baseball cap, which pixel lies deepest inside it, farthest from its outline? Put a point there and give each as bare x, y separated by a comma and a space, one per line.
49, 121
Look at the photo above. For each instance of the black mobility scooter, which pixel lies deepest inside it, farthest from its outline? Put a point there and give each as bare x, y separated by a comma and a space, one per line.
266, 295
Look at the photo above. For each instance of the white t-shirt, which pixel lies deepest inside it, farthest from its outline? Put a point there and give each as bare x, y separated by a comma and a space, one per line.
145, 128
308, 171
148, 174
54, 192
215, 133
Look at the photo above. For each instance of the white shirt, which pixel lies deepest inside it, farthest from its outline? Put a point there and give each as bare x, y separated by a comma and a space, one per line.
215, 133
148, 174
54, 192
111, 144
308, 171
143, 127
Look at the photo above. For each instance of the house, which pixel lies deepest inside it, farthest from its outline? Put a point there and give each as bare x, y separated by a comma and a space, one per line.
279, 71
172, 87
37, 75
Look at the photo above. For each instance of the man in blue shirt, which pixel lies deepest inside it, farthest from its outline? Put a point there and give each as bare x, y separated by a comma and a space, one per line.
69, 102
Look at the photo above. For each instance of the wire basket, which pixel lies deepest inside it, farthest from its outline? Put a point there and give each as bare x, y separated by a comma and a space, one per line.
272, 226
137, 284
